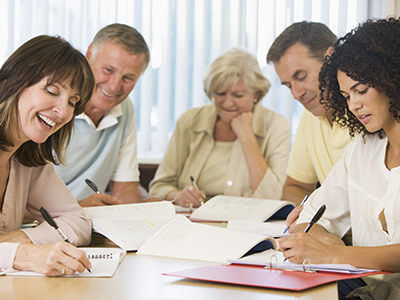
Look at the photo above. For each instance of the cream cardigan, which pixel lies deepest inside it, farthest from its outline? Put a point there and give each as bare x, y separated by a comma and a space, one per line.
193, 141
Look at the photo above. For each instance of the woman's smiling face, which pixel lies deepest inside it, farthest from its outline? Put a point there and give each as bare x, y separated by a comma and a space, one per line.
43, 109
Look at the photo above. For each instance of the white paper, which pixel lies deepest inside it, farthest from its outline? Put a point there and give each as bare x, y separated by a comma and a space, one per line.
273, 228
200, 242
266, 258
130, 210
225, 208
105, 262
130, 234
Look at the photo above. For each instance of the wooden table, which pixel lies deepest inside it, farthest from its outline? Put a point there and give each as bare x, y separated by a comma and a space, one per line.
139, 277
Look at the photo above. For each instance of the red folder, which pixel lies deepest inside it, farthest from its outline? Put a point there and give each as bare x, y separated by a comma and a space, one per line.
262, 277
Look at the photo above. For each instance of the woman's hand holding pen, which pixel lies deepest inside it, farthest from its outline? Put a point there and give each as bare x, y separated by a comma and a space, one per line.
301, 245
319, 247
55, 259
188, 197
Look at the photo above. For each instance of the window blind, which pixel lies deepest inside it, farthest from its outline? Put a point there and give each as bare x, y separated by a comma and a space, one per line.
184, 36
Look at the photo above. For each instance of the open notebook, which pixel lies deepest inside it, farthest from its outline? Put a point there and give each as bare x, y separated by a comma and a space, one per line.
105, 262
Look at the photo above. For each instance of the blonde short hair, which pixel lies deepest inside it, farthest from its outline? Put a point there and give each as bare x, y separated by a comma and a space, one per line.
229, 68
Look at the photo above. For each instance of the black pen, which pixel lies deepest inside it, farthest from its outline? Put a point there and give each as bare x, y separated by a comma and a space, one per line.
49, 219
92, 185
316, 217
302, 202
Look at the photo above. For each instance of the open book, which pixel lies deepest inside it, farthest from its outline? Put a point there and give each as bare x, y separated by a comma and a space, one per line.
225, 208
187, 240
130, 225
105, 262
275, 228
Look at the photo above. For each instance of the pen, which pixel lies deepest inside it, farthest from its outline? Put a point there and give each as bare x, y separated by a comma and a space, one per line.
197, 188
49, 219
92, 185
302, 202
316, 217
314, 220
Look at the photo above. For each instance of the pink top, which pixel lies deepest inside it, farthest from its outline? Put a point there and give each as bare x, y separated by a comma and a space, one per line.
32, 188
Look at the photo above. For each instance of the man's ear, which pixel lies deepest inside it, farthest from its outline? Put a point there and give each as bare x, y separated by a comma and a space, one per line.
329, 51
89, 52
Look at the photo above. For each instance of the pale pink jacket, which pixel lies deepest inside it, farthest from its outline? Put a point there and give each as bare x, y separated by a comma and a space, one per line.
32, 188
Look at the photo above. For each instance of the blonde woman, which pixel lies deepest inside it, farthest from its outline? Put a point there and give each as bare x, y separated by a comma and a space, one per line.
234, 146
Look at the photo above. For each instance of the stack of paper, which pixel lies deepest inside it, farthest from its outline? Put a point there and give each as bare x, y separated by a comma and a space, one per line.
275, 260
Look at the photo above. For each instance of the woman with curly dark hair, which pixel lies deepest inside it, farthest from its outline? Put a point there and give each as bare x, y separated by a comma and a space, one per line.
360, 83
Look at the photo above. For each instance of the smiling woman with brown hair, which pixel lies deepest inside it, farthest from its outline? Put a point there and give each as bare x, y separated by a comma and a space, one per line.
43, 86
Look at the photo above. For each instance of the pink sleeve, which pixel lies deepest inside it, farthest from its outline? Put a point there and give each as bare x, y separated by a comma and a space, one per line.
48, 190
7, 251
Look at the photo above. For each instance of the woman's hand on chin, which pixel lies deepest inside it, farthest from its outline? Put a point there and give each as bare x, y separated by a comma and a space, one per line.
242, 125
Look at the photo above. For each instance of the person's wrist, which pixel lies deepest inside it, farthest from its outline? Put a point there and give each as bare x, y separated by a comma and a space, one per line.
21, 260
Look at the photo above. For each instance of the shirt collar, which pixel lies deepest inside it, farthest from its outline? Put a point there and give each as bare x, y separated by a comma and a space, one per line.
109, 119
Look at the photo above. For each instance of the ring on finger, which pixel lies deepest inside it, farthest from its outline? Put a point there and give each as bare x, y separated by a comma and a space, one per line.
63, 271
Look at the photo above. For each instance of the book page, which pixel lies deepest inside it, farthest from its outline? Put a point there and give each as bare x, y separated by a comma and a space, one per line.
224, 208
130, 210
131, 233
273, 228
105, 262
201, 242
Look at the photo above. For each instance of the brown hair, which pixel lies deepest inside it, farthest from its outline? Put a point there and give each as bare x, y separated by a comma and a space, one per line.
317, 37
40, 57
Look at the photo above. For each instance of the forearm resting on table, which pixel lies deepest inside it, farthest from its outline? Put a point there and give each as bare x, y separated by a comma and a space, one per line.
385, 258
295, 191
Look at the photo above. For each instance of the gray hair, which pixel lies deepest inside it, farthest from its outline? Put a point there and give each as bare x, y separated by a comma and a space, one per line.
125, 36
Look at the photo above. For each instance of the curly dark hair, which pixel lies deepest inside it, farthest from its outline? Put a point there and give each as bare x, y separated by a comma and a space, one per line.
369, 54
